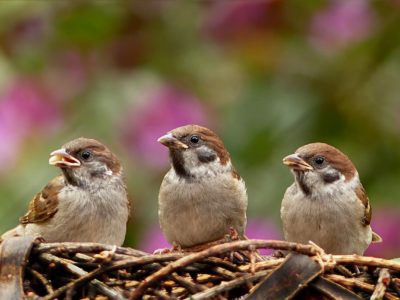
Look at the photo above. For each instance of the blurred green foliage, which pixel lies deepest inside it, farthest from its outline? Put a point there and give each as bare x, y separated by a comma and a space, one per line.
269, 82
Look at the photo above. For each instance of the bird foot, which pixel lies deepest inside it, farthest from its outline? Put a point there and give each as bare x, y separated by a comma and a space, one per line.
233, 235
175, 248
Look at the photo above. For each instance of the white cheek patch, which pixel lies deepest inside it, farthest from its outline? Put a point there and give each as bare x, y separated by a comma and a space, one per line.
101, 168
197, 168
95, 171
190, 159
324, 190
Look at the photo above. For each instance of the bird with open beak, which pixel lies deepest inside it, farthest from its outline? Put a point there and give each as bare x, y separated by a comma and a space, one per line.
87, 203
327, 203
202, 198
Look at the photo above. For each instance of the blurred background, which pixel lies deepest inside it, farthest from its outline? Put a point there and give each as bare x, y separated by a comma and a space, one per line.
267, 75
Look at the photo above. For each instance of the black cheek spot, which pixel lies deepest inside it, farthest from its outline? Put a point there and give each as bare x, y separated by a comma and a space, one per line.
331, 177
206, 157
96, 173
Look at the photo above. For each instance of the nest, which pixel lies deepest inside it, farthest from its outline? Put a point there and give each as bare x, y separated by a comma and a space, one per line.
34, 270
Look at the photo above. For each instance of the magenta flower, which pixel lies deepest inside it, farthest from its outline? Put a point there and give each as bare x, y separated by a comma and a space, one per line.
33, 106
341, 23
386, 222
153, 239
166, 108
24, 108
11, 140
263, 229
228, 20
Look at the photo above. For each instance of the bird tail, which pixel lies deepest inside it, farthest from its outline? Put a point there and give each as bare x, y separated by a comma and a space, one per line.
376, 238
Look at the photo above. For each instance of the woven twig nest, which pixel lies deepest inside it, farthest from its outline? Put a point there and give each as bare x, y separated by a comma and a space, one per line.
33, 270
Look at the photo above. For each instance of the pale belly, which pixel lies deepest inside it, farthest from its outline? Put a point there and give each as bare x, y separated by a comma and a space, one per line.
196, 215
94, 229
332, 225
84, 218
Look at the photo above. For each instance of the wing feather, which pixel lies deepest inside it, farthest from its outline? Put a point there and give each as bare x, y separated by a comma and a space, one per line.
45, 204
362, 195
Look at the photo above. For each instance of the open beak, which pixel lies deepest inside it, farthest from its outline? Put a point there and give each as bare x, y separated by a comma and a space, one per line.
170, 141
295, 162
60, 158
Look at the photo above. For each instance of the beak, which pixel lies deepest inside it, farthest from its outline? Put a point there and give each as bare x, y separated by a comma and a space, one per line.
60, 158
295, 162
170, 141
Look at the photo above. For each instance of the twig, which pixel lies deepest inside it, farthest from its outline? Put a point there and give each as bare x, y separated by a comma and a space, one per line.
208, 294
366, 261
200, 275
266, 264
161, 295
218, 250
100, 286
216, 261
395, 284
383, 282
187, 284
42, 280
56, 248
113, 266
353, 282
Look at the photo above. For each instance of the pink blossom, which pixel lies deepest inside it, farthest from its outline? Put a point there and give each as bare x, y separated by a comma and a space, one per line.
31, 105
153, 239
165, 109
263, 229
341, 23
24, 108
386, 223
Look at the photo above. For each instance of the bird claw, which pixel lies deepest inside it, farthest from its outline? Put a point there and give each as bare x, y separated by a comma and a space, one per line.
106, 255
175, 248
233, 234
236, 257
279, 254
162, 251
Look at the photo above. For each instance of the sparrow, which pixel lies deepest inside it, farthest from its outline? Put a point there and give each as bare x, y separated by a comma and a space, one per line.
202, 198
327, 203
87, 203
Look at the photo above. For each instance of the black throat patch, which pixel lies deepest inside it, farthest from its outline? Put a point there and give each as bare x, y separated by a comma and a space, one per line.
178, 163
69, 177
300, 178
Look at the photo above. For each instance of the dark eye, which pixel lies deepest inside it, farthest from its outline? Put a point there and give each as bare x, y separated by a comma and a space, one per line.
319, 160
194, 139
86, 155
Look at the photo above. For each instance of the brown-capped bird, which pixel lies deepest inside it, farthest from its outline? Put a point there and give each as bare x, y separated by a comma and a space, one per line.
201, 197
87, 203
327, 203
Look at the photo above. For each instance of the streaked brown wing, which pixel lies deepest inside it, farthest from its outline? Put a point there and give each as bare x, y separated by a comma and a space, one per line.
129, 204
362, 195
45, 204
366, 220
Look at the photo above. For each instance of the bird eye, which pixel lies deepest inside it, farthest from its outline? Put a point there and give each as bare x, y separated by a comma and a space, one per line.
194, 139
86, 155
319, 160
